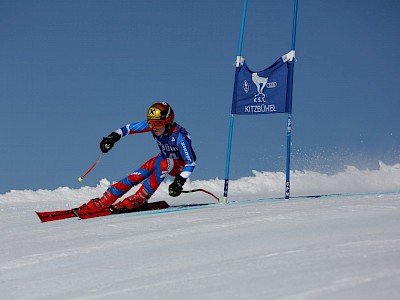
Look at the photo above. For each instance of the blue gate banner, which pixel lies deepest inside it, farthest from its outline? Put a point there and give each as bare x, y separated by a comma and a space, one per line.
262, 92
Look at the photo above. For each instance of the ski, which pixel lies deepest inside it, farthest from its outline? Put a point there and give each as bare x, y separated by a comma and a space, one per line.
147, 206
49, 216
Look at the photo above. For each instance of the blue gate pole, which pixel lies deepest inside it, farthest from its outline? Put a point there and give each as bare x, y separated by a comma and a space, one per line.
238, 64
289, 95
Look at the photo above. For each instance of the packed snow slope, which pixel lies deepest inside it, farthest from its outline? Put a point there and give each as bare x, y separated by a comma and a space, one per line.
342, 245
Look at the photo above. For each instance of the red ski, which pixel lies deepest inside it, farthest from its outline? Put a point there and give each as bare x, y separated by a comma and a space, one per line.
48, 216
71, 213
146, 206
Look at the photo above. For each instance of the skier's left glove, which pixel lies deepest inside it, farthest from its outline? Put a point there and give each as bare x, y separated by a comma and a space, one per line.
176, 187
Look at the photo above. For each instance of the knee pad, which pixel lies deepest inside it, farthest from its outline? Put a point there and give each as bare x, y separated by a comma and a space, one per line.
166, 165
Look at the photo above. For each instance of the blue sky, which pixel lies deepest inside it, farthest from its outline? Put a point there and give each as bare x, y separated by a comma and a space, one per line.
73, 71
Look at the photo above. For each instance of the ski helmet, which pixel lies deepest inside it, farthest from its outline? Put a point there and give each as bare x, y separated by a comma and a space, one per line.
160, 114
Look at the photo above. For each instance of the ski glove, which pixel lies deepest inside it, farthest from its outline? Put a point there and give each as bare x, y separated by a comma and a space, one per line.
175, 188
108, 142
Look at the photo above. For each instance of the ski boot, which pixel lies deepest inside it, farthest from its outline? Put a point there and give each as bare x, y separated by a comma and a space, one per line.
98, 204
131, 203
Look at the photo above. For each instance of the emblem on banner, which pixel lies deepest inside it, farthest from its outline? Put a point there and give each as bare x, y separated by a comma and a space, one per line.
260, 83
246, 86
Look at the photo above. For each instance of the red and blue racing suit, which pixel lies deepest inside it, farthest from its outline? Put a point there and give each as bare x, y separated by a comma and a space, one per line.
176, 158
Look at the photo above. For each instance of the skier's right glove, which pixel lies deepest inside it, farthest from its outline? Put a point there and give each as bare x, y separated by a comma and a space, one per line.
108, 142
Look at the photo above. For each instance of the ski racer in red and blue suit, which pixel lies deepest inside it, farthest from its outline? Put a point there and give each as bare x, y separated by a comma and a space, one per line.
176, 158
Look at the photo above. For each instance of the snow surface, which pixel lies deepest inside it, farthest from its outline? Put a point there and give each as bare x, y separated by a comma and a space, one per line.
344, 245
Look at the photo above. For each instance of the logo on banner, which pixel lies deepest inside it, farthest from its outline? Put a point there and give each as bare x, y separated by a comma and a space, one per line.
261, 83
246, 86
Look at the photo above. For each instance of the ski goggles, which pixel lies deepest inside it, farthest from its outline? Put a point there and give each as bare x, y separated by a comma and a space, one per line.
156, 124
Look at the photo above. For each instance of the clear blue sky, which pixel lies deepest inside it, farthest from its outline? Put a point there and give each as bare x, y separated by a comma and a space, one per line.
73, 71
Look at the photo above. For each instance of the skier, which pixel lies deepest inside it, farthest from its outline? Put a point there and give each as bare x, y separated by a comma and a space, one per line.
176, 158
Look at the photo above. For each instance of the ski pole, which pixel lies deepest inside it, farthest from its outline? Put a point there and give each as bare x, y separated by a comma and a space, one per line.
91, 168
204, 191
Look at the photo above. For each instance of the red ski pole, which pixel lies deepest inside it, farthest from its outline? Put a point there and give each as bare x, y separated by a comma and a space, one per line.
91, 168
204, 191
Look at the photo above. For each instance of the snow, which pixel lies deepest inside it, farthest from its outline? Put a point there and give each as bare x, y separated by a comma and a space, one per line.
343, 245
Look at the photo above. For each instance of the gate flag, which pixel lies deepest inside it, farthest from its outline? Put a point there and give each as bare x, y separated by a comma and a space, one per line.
265, 92
262, 92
